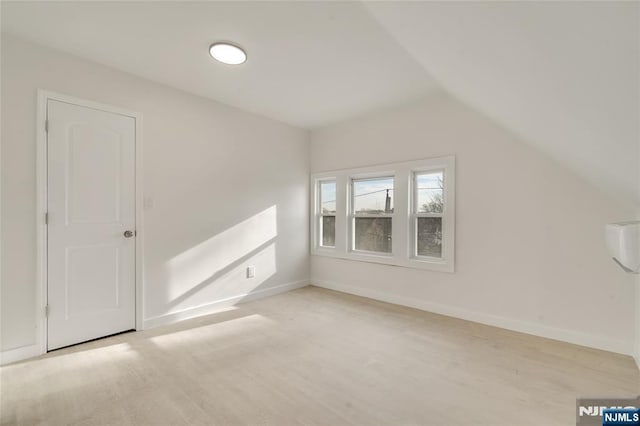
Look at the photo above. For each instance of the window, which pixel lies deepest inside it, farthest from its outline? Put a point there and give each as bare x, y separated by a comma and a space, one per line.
327, 213
428, 213
372, 213
398, 214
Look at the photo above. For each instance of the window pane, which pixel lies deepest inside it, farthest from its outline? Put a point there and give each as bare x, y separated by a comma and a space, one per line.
430, 236
327, 197
430, 191
373, 234
373, 195
328, 231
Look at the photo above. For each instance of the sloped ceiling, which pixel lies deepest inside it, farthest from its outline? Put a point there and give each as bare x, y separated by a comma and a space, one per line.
309, 64
562, 75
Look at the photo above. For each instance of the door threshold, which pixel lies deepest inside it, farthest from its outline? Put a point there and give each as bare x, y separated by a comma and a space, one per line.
92, 340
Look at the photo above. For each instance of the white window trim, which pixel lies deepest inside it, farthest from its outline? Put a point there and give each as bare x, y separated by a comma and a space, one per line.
319, 214
403, 251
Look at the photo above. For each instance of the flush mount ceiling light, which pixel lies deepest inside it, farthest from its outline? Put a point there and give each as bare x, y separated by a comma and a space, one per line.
227, 53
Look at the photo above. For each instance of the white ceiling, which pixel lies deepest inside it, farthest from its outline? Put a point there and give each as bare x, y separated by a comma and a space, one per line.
309, 63
563, 75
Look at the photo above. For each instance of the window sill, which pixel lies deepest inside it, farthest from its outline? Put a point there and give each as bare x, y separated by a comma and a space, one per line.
390, 260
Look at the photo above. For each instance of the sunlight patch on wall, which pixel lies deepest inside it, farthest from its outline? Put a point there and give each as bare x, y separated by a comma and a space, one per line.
222, 259
226, 287
235, 282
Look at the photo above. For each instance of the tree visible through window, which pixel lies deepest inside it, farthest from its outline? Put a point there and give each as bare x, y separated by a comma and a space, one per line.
400, 214
429, 212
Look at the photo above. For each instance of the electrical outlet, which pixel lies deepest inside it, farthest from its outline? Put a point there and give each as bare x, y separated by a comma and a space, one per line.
251, 271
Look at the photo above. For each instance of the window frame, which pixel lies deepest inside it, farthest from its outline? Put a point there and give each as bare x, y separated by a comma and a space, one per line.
415, 215
404, 221
353, 215
319, 215
317, 224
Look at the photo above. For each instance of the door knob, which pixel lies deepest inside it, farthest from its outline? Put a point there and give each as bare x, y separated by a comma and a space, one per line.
129, 234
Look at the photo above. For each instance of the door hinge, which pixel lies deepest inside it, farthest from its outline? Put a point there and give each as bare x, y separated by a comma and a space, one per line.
46, 126
46, 218
46, 310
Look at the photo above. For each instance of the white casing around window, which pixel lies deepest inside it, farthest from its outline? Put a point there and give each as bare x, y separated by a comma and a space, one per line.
403, 253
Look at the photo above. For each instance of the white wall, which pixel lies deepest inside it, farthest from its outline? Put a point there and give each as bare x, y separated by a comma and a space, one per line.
530, 251
637, 325
637, 346
229, 189
636, 352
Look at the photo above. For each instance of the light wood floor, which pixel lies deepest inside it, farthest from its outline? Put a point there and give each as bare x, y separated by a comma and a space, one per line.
314, 357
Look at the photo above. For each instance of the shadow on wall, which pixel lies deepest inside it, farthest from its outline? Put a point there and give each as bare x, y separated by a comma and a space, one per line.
216, 268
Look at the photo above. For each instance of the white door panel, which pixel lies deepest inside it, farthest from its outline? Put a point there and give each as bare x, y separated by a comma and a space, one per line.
91, 203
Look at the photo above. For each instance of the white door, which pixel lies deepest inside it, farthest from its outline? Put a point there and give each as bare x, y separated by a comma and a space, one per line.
91, 205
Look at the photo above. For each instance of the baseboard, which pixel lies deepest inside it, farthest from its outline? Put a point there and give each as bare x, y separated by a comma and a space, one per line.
212, 307
19, 354
564, 335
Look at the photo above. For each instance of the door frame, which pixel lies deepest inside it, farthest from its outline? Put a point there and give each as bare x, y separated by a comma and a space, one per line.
43, 97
